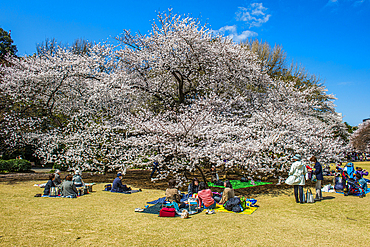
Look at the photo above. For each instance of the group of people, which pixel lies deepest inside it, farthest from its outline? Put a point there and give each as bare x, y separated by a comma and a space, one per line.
206, 198
298, 171
351, 180
297, 177
67, 188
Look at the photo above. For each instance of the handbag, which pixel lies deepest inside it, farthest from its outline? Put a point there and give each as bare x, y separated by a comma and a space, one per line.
167, 212
313, 178
309, 196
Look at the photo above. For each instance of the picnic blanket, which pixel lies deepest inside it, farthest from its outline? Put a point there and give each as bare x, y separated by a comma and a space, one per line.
367, 191
239, 185
250, 210
157, 207
125, 192
163, 199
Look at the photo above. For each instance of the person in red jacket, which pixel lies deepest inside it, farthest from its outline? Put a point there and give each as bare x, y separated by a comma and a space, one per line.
205, 198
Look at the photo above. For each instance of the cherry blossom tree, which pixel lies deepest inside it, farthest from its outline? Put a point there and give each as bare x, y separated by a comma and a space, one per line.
179, 95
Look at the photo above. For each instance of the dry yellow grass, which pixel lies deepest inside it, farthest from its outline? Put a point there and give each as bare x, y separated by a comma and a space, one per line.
108, 219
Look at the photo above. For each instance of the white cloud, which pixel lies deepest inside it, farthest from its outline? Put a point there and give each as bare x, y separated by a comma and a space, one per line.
255, 15
227, 29
232, 32
335, 3
243, 36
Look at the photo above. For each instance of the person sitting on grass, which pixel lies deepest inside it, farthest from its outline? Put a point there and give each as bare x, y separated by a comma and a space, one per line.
49, 184
361, 181
68, 188
363, 173
205, 198
57, 179
227, 193
173, 195
118, 186
193, 187
339, 181
77, 179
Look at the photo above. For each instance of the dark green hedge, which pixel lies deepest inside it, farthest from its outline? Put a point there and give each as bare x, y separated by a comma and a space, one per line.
60, 167
15, 165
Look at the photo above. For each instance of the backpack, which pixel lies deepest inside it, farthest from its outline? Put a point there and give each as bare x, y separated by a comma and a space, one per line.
108, 187
231, 203
237, 209
244, 203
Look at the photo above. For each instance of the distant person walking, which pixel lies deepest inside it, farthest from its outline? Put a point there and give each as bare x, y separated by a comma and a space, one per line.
296, 178
319, 177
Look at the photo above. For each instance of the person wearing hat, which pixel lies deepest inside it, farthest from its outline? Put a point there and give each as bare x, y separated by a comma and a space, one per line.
77, 179
118, 186
296, 178
57, 179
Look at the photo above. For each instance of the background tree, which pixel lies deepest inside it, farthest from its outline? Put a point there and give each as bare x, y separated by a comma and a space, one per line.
6, 45
360, 139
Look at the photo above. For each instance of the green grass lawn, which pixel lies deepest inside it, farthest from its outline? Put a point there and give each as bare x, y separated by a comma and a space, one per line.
108, 219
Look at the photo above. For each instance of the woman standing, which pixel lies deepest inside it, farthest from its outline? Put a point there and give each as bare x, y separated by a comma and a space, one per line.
296, 177
319, 177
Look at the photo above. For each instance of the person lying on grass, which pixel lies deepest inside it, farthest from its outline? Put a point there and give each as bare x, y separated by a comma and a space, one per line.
118, 186
49, 184
226, 194
205, 198
173, 194
68, 188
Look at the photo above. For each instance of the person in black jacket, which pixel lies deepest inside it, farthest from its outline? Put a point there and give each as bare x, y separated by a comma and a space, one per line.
193, 187
319, 177
118, 186
49, 184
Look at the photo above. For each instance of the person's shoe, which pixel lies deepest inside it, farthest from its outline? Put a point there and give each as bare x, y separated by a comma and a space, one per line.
140, 190
207, 212
321, 198
211, 211
317, 199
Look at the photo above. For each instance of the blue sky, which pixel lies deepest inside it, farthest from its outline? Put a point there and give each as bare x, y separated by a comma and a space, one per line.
330, 38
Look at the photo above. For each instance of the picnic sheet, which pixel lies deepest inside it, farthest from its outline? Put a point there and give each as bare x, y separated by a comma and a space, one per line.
157, 207
163, 199
367, 191
125, 192
250, 210
240, 185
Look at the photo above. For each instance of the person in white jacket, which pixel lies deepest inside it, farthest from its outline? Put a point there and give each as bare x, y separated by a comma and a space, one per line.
296, 177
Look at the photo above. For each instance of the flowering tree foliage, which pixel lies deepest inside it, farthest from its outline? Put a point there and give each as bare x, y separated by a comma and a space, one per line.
360, 139
179, 95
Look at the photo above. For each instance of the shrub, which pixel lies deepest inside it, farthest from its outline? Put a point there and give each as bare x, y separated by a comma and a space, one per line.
61, 167
15, 165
